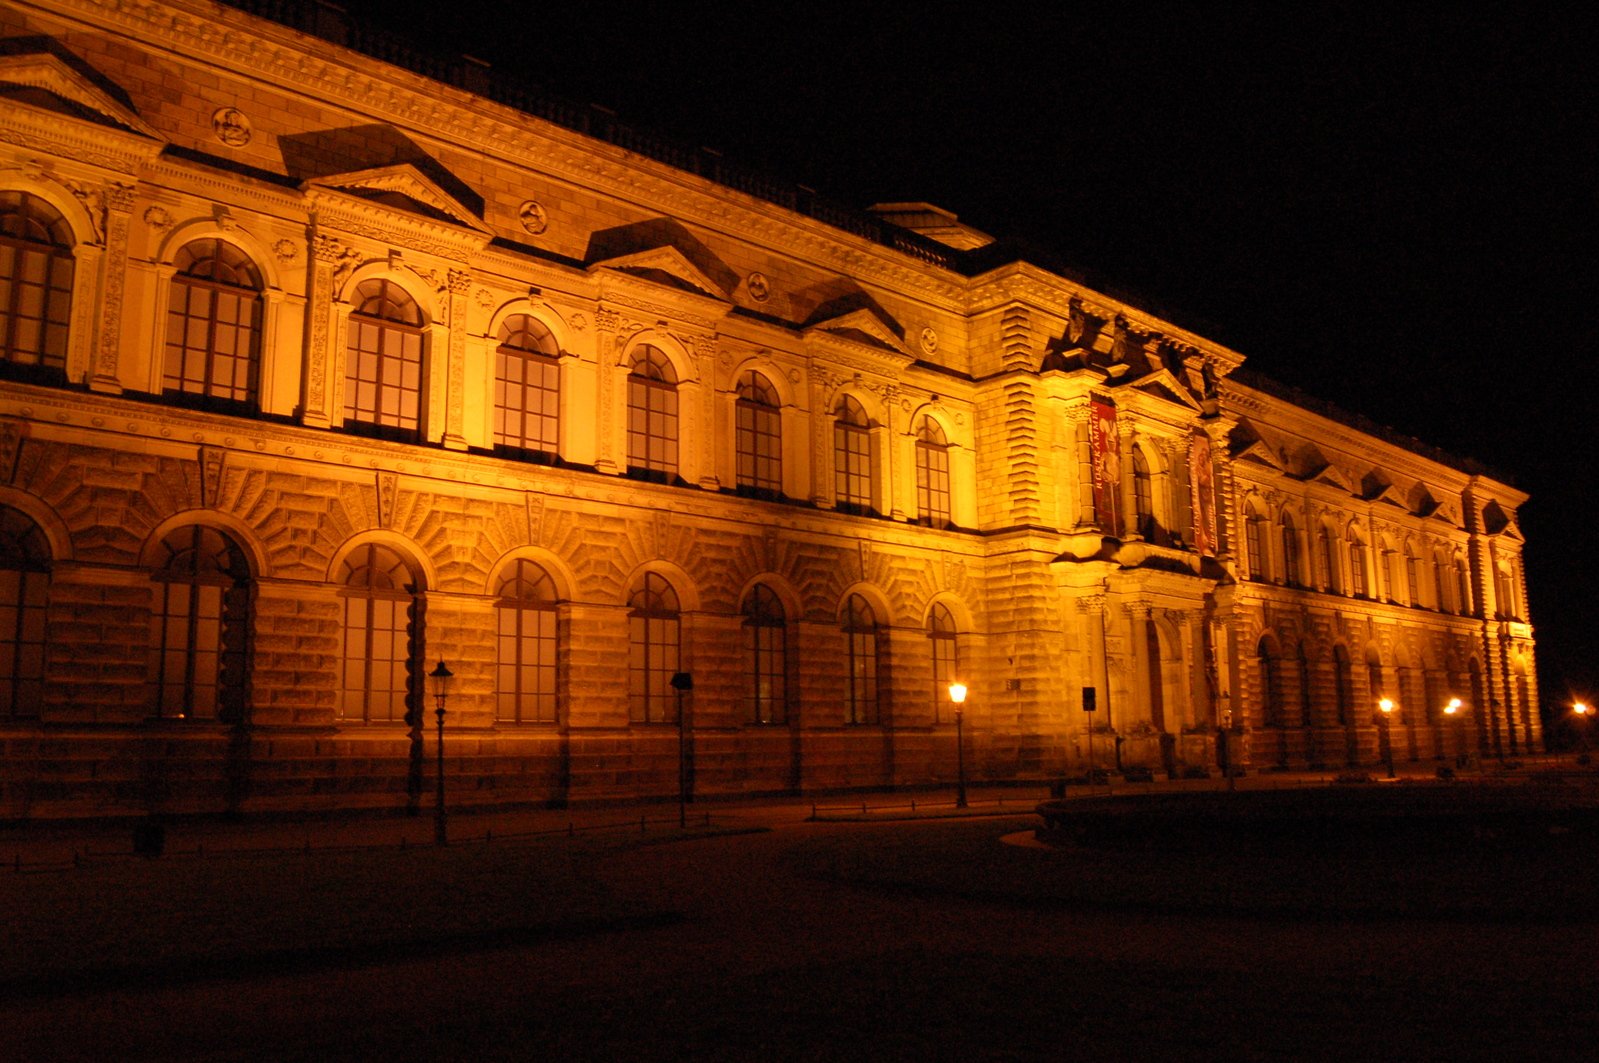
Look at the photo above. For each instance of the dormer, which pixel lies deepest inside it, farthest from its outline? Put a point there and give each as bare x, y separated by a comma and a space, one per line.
935, 223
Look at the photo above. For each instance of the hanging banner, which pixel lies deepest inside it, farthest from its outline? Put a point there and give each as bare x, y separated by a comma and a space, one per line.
1201, 478
1106, 453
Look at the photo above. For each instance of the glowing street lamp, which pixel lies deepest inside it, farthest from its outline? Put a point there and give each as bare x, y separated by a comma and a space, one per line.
1386, 706
1583, 711
1455, 710
957, 695
441, 690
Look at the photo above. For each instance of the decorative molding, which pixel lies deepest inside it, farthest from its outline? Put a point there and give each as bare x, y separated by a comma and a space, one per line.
231, 126
388, 485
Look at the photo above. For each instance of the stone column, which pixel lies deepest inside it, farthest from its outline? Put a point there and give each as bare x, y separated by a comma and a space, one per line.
454, 391
608, 454
113, 276
316, 404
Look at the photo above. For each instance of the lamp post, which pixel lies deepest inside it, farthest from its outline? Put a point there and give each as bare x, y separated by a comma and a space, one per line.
957, 694
1386, 706
1582, 710
441, 684
682, 682
1455, 710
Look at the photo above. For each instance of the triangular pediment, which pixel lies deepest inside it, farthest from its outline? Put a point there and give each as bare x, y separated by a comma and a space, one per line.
1163, 384
665, 265
1445, 513
1258, 452
1376, 488
1247, 442
47, 82
400, 187
863, 325
1332, 476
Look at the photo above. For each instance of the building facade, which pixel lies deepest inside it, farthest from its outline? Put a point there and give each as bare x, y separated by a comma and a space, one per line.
316, 370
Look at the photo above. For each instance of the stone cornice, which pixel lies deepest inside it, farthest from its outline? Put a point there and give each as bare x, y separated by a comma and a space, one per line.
1330, 434
309, 67
1024, 282
36, 129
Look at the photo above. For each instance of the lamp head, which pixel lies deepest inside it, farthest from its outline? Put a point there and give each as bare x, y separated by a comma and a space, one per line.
957, 693
1386, 705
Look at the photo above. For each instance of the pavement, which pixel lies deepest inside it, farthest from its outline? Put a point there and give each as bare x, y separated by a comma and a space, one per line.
46, 844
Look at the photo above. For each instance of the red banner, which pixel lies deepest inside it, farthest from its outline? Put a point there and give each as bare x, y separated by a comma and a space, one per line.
1106, 453
1202, 480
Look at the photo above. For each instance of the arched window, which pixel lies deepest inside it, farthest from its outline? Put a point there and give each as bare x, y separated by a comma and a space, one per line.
1357, 566
932, 475
35, 285
654, 637
1306, 715
1270, 694
861, 635
214, 325
1290, 551
1412, 576
1393, 571
1143, 495
527, 388
1255, 543
1443, 582
652, 416
200, 642
1328, 557
946, 662
758, 437
24, 594
1343, 685
524, 687
383, 372
1463, 586
852, 457
1505, 591
383, 650
764, 653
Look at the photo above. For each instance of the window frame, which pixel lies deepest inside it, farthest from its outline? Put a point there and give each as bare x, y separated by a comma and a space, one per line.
45, 358
765, 631
655, 630
654, 425
386, 363
402, 601
854, 472
757, 437
249, 301
933, 495
863, 658
526, 596
539, 356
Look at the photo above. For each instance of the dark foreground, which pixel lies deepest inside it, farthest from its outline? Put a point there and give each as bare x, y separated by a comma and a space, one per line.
919, 940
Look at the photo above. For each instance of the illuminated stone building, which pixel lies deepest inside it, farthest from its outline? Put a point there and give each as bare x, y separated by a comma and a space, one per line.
320, 368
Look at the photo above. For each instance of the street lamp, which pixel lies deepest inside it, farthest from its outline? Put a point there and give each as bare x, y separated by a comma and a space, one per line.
957, 694
1582, 710
682, 682
441, 690
1455, 710
1386, 705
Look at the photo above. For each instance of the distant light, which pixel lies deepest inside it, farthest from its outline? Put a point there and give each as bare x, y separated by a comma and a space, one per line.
1581, 708
1453, 707
1386, 705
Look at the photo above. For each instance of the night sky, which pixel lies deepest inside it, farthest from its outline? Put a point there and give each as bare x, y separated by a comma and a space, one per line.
1386, 209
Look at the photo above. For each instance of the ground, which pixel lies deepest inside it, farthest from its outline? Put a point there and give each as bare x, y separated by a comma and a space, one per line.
763, 935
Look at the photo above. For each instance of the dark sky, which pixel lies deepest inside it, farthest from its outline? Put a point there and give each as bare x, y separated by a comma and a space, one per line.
1389, 209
